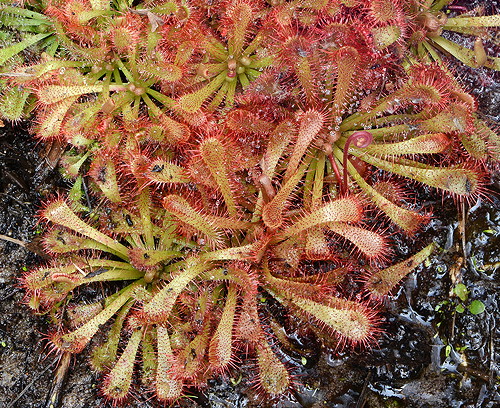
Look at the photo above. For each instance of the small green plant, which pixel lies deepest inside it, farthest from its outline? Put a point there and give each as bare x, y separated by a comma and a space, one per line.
475, 306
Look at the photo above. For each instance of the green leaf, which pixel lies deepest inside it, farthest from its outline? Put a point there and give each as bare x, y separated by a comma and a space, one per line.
9, 52
12, 103
75, 195
476, 307
440, 305
460, 308
461, 291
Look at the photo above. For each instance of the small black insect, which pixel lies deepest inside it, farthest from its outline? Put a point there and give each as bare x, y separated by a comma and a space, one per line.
157, 168
96, 272
101, 174
129, 220
468, 186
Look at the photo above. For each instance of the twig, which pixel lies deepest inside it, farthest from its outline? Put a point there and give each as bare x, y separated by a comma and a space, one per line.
12, 403
58, 382
473, 371
16, 200
86, 192
463, 223
495, 265
362, 396
492, 325
13, 240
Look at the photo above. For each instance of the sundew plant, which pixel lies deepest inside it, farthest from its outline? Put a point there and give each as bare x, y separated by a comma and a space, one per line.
238, 154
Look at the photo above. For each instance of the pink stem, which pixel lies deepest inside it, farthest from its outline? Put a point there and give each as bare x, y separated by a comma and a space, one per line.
459, 8
361, 140
336, 170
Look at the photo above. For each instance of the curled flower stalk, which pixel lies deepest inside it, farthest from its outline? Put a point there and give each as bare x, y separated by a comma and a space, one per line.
411, 132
